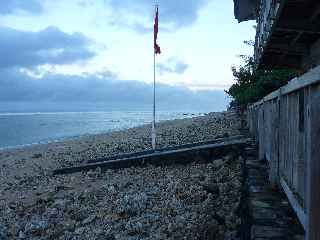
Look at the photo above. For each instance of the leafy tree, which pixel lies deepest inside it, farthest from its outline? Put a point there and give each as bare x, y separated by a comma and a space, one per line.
253, 84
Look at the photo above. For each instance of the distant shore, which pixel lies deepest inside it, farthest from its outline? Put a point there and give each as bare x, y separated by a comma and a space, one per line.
29, 194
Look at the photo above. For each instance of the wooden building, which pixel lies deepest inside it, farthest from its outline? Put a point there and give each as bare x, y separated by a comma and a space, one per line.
286, 123
288, 31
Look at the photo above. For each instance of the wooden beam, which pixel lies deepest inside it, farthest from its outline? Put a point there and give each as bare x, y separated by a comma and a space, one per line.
315, 13
272, 96
147, 152
294, 41
284, 52
310, 78
297, 25
291, 48
271, 61
288, 47
204, 153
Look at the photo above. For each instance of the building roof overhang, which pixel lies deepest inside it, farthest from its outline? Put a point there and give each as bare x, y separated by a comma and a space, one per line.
245, 10
288, 33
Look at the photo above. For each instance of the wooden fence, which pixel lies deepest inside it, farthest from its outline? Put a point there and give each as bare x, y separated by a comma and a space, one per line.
286, 124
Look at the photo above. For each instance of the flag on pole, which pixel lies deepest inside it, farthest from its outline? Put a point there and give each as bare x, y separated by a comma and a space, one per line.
157, 49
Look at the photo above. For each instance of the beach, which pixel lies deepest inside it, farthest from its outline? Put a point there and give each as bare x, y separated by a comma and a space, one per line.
136, 203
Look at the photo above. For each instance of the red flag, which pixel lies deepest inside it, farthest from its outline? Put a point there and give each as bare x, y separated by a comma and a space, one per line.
157, 49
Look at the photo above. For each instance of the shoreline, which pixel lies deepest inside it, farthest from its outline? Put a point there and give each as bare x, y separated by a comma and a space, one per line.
169, 133
134, 203
43, 158
76, 137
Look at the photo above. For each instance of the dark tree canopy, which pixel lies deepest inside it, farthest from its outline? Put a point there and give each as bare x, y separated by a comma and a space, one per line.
253, 84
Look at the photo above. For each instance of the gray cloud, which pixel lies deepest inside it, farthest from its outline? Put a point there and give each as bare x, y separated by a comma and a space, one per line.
173, 13
11, 6
79, 91
49, 46
135, 26
173, 65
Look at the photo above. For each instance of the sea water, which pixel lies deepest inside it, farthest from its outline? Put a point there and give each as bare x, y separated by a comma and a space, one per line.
20, 129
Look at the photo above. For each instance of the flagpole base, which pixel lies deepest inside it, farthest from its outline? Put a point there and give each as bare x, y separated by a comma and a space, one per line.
153, 138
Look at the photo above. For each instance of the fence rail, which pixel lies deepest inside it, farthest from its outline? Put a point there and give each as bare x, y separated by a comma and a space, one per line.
286, 124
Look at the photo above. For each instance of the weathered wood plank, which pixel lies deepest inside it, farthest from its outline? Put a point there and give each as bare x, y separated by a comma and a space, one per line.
272, 96
294, 157
289, 137
181, 156
257, 104
294, 203
274, 141
302, 144
313, 166
261, 132
282, 134
146, 152
266, 130
310, 78
288, 140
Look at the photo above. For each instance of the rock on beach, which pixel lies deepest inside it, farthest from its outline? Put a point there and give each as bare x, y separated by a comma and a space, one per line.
193, 201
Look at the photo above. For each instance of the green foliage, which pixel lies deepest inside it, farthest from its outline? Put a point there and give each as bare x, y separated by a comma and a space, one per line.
252, 84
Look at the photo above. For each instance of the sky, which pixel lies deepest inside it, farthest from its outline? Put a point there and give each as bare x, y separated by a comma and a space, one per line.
102, 50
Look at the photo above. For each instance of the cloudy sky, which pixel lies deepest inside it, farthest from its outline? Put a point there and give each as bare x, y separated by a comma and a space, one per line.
103, 49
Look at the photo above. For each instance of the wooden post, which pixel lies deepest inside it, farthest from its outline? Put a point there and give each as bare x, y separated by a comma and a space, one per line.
261, 130
301, 145
274, 165
313, 165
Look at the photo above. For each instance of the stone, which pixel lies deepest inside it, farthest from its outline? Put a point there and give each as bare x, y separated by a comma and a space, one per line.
212, 188
91, 174
268, 232
88, 219
98, 171
36, 226
217, 163
212, 231
69, 225
80, 230
132, 203
260, 204
3, 232
228, 158
134, 228
60, 204
37, 155
105, 236
78, 214
163, 202
21, 235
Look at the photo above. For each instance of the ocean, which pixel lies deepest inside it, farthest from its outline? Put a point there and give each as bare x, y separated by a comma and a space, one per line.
21, 129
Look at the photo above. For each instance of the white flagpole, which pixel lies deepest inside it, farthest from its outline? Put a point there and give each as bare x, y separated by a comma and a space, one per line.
153, 134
